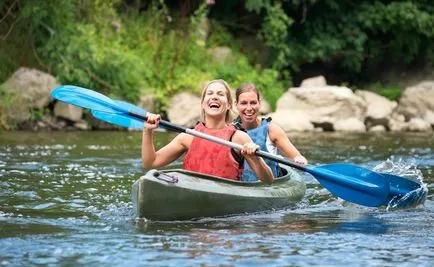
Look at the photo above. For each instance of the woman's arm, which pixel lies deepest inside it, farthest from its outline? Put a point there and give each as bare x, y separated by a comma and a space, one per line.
258, 165
167, 154
280, 139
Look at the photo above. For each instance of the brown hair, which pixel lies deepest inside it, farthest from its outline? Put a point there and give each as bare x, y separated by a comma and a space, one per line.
246, 87
228, 117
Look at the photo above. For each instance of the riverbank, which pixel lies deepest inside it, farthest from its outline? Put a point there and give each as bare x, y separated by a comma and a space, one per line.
313, 106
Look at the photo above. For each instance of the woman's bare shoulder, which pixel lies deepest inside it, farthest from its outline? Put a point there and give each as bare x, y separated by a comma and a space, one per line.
183, 139
274, 130
241, 137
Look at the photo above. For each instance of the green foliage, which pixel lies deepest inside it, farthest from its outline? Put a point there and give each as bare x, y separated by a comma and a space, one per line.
275, 33
220, 36
91, 53
357, 38
5, 103
8, 100
16, 40
407, 25
257, 5
391, 92
101, 45
37, 114
148, 52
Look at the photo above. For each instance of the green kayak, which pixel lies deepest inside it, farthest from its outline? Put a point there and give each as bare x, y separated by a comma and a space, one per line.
177, 194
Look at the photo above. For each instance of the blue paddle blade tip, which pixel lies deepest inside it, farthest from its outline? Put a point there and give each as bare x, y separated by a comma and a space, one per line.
404, 192
84, 98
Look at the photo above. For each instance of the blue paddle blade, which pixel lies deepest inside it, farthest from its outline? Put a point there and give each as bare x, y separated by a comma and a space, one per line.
119, 119
123, 119
404, 192
85, 98
352, 183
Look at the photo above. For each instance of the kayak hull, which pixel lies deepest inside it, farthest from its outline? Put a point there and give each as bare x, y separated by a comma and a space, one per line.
177, 194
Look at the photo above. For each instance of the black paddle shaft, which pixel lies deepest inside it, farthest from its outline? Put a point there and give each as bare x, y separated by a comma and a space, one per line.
182, 129
165, 124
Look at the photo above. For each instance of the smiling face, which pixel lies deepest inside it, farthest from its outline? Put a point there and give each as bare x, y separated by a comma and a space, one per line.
248, 106
216, 100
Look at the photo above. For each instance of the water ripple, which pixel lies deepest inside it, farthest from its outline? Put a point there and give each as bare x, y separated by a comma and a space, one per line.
65, 200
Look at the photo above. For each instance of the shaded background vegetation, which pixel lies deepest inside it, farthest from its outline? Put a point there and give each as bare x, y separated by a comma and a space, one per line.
125, 48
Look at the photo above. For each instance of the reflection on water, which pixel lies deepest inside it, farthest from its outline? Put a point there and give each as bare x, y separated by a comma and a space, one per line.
65, 200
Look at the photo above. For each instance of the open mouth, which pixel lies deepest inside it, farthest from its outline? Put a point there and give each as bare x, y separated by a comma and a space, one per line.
214, 106
249, 116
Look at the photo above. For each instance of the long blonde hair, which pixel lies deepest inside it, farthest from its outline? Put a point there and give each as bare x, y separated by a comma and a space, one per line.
228, 117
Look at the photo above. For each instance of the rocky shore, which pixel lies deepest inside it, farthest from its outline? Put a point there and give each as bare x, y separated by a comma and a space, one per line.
314, 106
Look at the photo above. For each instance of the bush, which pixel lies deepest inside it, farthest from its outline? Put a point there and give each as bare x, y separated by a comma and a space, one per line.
102, 46
9, 102
390, 92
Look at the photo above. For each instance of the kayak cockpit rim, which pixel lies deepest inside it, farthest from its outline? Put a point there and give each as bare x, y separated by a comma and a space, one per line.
284, 170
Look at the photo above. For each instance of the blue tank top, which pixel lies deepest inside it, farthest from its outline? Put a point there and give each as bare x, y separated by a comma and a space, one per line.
259, 136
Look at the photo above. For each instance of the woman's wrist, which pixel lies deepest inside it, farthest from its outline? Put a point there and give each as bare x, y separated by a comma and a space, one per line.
147, 131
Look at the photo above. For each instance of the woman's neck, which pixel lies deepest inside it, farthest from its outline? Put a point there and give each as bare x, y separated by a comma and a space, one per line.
251, 125
215, 123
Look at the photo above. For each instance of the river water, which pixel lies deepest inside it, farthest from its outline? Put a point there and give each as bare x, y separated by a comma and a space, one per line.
65, 200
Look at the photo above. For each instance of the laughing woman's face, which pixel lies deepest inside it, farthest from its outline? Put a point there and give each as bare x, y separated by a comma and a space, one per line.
248, 106
215, 101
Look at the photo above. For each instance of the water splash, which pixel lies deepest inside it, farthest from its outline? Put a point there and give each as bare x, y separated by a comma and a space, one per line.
408, 171
401, 168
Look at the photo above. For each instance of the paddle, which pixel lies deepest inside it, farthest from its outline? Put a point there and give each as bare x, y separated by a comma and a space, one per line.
403, 192
347, 181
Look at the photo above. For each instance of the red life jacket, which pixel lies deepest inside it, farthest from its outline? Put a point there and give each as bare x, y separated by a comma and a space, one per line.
211, 158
